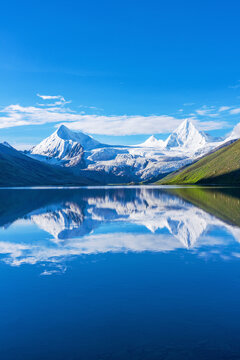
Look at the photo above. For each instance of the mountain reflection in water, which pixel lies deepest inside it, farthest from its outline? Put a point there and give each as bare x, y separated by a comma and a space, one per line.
99, 220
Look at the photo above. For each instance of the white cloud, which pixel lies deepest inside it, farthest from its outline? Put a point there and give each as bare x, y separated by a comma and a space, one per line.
91, 107
60, 100
125, 125
51, 97
17, 115
223, 108
211, 125
235, 111
207, 111
201, 112
212, 111
136, 125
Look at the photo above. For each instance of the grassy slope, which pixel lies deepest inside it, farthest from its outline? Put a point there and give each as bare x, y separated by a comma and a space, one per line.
220, 168
223, 203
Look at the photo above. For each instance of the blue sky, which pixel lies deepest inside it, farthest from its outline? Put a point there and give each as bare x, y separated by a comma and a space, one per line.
122, 70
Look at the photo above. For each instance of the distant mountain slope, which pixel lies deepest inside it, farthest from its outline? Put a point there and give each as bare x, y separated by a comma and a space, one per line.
221, 167
17, 169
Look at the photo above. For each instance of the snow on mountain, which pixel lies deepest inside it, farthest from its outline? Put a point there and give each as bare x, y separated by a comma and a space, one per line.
152, 142
66, 146
132, 163
186, 136
235, 134
86, 141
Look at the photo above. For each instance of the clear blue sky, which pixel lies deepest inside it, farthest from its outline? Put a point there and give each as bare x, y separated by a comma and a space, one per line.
145, 58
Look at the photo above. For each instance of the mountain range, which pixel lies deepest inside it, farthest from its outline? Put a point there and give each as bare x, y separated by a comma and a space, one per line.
75, 158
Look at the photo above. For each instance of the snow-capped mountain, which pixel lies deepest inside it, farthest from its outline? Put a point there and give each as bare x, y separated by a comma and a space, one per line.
235, 133
152, 142
66, 146
145, 161
186, 136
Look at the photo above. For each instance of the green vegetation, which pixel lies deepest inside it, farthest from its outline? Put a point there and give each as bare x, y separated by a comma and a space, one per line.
221, 167
223, 203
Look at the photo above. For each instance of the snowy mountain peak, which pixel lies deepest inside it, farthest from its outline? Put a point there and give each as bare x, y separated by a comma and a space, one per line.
62, 141
65, 145
186, 129
152, 138
128, 163
186, 123
64, 133
85, 140
152, 142
186, 136
235, 134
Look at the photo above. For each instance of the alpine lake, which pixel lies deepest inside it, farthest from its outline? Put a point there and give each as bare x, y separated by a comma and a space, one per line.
113, 273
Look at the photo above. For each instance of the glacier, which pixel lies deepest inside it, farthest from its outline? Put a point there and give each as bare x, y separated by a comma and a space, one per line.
149, 160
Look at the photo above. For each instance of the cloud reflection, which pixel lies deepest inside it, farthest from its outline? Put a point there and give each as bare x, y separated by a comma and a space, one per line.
93, 221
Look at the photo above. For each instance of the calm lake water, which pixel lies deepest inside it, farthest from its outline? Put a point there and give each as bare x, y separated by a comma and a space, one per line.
120, 273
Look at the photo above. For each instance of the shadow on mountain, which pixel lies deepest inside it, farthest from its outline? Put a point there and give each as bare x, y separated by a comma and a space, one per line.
231, 178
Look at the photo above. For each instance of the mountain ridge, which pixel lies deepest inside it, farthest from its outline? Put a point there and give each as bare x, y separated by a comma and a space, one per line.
17, 169
68, 157
137, 163
220, 167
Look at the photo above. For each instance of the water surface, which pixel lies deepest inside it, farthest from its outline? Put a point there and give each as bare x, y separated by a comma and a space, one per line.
120, 273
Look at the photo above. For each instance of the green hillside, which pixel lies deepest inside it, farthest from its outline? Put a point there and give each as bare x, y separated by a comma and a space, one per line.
221, 167
223, 203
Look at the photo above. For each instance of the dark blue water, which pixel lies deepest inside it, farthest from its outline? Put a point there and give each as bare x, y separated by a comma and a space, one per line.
119, 273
